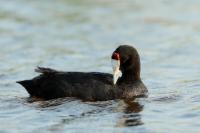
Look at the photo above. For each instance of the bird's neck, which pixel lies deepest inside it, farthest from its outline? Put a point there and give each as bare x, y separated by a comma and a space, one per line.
131, 75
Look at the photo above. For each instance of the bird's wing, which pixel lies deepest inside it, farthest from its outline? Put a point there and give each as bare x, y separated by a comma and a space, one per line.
44, 70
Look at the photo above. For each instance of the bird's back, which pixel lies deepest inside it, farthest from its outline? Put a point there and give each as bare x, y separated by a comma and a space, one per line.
52, 84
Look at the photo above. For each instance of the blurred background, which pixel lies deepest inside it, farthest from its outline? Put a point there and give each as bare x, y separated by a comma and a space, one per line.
76, 35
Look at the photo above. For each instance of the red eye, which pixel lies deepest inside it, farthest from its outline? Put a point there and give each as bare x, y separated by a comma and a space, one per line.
115, 56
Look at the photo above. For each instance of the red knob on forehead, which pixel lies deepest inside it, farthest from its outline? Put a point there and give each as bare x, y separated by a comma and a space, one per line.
115, 56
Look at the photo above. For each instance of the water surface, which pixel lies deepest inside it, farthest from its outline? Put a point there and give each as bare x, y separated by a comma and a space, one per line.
75, 35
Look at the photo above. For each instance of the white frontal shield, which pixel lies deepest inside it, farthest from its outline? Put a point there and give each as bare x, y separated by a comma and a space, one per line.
116, 72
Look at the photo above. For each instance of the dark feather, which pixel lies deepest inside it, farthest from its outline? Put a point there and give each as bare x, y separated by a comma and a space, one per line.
44, 70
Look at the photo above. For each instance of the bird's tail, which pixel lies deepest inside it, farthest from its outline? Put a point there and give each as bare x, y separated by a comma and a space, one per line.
28, 85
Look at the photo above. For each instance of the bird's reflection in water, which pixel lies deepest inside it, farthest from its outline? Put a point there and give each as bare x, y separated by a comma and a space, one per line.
131, 114
127, 110
44, 104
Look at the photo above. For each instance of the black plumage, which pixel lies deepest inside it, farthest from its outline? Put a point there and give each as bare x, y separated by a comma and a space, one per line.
52, 84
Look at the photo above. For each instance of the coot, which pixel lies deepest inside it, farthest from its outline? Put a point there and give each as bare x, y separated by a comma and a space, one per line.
93, 86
